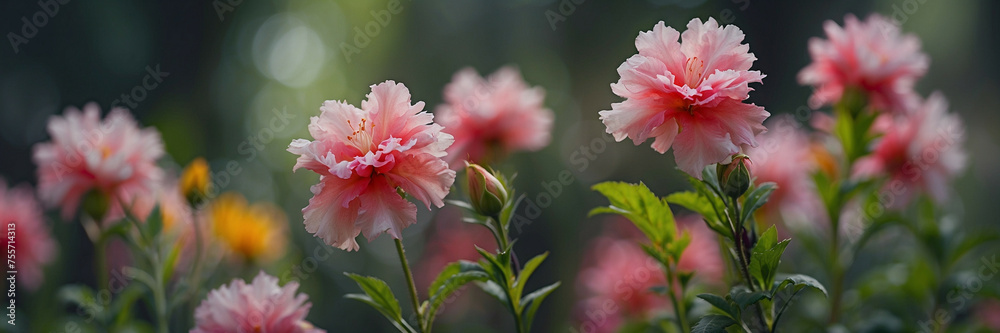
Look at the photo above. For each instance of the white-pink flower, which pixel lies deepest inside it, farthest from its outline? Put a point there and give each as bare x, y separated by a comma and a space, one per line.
492, 117
365, 157
920, 152
114, 157
871, 56
262, 306
20, 213
688, 94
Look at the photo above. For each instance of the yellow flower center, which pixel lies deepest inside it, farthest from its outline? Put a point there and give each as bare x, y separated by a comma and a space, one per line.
693, 71
362, 136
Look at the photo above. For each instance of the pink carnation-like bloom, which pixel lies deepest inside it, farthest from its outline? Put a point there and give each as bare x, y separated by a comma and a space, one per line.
363, 156
871, 56
619, 274
922, 150
262, 306
688, 94
113, 156
32, 242
785, 156
492, 117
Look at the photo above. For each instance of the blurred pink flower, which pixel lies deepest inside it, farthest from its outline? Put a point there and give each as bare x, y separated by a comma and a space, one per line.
113, 156
451, 240
871, 56
688, 94
363, 156
492, 117
618, 274
261, 306
786, 157
921, 151
20, 213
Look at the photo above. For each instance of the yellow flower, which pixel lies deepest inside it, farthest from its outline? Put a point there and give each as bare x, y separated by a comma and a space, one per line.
255, 232
195, 182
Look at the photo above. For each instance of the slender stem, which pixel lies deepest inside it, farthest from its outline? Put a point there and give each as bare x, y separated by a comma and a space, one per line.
836, 270
679, 309
409, 281
734, 206
159, 297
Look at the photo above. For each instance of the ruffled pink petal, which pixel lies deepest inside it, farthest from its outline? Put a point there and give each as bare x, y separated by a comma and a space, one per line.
701, 143
425, 178
332, 211
719, 47
384, 210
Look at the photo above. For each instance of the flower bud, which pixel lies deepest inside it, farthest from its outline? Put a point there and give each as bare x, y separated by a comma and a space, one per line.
734, 178
195, 182
486, 192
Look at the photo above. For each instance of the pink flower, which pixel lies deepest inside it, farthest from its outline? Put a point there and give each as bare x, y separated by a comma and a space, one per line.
363, 156
20, 212
114, 157
688, 94
262, 306
618, 274
871, 56
492, 117
921, 151
785, 156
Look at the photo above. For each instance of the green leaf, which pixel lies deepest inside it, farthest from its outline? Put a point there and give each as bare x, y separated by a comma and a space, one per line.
765, 257
757, 198
799, 281
154, 223
495, 290
452, 269
452, 282
379, 296
522, 277
722, 304
498, 272
743, 297
702, 206
676, 247
533, 301
713, 324
636, 202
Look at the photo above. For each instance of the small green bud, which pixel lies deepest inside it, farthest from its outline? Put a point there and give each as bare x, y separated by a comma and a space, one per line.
486, 192
734, 178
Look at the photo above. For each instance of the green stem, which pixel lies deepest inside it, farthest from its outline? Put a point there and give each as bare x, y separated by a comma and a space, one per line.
734, 206
679, 308
409, 282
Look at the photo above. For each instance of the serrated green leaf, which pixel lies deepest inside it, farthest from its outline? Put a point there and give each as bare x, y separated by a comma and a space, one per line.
697, 203
757, 198
713, 324
722, 304
765, 257
676, 247
533, 301
451, 284
799, 281
451, 269
377, 295
636, 202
